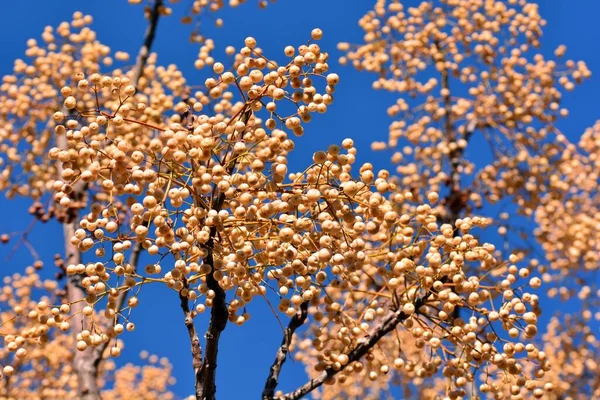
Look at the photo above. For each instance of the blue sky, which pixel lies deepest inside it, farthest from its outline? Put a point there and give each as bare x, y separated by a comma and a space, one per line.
358, 112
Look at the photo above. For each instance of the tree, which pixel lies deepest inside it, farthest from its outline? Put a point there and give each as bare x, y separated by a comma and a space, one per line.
382, 279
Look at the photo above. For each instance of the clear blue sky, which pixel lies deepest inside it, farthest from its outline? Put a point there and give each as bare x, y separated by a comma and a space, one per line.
358, 112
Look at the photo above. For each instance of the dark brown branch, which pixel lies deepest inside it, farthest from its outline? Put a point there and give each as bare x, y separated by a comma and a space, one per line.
388, 324
144, 52
219, 316
273, 379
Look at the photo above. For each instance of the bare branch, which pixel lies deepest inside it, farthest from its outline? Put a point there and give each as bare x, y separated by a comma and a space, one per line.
218, 320
388, 324
273, 379
144, 52
194, 341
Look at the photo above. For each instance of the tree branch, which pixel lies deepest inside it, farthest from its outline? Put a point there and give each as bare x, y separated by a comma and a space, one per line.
219, 316
273, 379
364, 345
144, 52
194, 341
